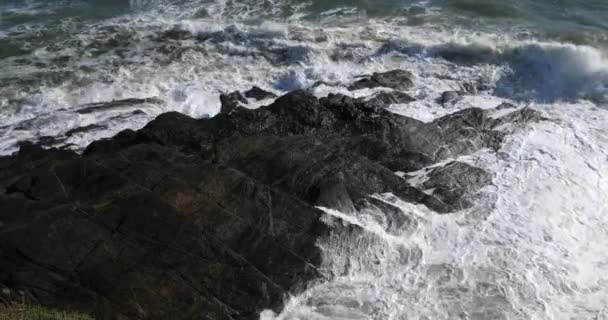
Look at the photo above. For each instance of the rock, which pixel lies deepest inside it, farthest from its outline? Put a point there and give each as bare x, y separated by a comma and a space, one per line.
288, 55
259, 94
450, 97
505, 105
484, 87
231, 101
126, 116
324, 83
521, 116
117, 105
84, 129
470, 87
217, 218
153, 239
394, 79
175, 34
396, 219
50, 141
201, 13
386, 98
456, 183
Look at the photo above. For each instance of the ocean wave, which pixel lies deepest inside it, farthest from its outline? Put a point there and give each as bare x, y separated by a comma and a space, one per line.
554, 72
533, 70
185, 63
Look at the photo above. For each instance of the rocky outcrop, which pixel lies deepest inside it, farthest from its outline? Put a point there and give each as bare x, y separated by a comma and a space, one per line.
217, 218
450, 97
117, 105
394, 79
258, 93
231, 101
386, 98
455, 182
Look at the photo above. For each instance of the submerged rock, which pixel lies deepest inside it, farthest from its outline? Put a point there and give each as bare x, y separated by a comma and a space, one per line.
450, 97
84, 129
231, 101
258, 93
217, 218
50, 141
394, 79
456, 182
386, 98
117, 105
174, 34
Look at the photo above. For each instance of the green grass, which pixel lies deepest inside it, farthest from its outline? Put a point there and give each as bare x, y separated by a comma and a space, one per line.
27, 312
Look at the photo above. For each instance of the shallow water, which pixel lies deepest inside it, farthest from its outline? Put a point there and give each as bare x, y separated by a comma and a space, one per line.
535, 244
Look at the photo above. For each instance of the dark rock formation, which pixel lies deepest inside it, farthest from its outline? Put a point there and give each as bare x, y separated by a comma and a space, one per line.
258, 93
150, 232
83, 129
231, 101
216, 218
455, 182
505, 105
519, 117
116, 105
394, 79
386, 98
47, 141
471, 87
174, 34
450, 97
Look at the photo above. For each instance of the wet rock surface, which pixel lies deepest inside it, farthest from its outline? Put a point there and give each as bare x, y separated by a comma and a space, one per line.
386, 98
258, 93
455, 182
394, 79
450, 97
117, 105
231, 101
217, 218
84, 129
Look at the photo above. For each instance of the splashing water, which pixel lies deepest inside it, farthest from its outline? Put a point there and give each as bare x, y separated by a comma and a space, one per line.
527, 250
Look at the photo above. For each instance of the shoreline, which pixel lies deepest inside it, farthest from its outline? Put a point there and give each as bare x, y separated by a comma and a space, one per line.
239, 191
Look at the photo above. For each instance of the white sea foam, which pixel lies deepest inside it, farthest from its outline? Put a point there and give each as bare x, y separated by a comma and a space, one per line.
289, 55
533, 248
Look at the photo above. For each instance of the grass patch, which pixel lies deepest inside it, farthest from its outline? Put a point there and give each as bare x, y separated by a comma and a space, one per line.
27, 312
